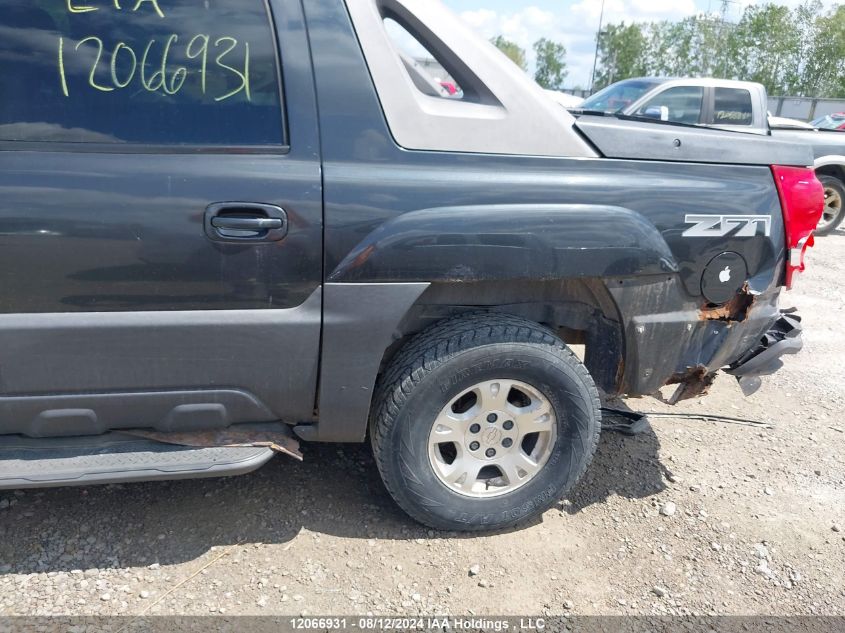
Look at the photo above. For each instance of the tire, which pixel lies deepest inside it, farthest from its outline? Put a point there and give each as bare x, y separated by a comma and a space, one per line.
482, 352
834, 196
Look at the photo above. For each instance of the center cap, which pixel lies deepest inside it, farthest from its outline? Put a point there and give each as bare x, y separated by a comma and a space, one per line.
491, 435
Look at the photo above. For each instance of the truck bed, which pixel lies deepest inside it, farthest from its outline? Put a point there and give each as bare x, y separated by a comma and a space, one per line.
619, 138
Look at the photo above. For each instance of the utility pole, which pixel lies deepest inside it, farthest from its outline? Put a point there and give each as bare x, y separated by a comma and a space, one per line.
726, 5
598, 39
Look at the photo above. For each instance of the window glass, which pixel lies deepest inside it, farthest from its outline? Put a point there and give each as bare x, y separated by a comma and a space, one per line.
618, 96
732, 107
139, 71
425, 71
681, 104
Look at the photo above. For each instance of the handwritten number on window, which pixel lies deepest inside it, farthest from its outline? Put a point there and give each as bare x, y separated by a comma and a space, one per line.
244, 76
164, 78
202, 53
91, 81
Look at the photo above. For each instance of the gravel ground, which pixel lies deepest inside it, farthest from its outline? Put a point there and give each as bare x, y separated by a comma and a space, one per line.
690, 517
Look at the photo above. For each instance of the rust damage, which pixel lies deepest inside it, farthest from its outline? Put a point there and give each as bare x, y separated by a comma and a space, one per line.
735, 310
696, 381
620, 371
277, 437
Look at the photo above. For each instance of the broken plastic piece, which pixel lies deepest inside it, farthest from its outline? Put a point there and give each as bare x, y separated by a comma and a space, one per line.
276, 437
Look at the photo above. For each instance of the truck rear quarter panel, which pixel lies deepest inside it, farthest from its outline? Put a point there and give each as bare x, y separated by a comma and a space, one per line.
399, 216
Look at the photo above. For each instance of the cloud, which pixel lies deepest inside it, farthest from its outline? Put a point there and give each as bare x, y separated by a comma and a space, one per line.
634, 10
480, 19
530, 23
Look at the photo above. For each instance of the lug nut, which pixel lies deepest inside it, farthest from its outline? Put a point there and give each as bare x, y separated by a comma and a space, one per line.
492, 418
475, 428
491, 452
507, 442
508, 425
474, 446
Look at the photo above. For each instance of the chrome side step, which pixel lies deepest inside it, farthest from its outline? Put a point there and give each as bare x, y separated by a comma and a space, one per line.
117, 458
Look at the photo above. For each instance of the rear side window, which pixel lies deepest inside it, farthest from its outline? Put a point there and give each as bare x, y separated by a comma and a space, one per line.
732, 106
681, 104
427, 73
162, 72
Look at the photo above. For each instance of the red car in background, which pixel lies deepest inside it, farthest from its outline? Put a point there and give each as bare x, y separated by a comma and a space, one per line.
831, 122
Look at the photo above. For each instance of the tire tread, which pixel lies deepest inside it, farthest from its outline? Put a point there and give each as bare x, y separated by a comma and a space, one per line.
437, 345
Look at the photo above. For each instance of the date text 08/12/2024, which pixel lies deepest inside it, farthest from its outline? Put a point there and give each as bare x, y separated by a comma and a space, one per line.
442, 623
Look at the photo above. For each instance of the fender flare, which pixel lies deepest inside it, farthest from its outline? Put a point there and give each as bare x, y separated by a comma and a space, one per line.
830, 160
508, 242
375, 286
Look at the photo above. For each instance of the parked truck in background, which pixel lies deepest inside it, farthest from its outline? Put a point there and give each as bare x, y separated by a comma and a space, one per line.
223, 220
730, 105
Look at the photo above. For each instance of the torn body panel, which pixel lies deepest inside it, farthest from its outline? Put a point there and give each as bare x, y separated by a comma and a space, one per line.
735, 310
276, 436
782, 339
696, 381
671, 339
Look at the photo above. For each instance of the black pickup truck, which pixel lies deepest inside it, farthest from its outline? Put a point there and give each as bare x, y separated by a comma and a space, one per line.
229, 220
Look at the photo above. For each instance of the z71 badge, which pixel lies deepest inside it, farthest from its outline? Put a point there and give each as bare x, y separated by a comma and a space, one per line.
724, 225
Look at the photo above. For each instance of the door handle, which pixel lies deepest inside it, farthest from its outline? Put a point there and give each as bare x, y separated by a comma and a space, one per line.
248, 222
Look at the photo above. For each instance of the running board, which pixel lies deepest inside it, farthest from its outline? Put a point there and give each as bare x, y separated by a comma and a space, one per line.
117, 458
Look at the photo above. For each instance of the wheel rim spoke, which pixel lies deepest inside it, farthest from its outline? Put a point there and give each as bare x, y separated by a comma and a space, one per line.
518, 466
478, 445
463, 474
493, 395
448, 428
832, 207
535, 419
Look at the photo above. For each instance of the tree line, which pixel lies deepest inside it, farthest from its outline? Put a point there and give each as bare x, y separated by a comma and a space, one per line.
795, 52
550, 71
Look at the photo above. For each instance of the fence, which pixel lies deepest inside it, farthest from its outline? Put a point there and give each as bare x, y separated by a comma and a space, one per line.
804, 108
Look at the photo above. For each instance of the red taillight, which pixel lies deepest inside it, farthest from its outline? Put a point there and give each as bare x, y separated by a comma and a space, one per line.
802, 201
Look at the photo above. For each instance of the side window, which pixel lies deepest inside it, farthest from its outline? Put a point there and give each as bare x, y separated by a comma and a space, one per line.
163, 72
681, 104
427, 73
732, 106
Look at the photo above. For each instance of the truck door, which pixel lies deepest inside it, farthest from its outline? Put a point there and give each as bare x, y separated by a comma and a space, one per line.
160, 215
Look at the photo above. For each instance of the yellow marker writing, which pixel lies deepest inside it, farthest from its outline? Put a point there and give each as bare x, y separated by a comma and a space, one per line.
203, 51
148, 84
153, 2
121, 46
244, 76
62, 76
80, 9
91, 79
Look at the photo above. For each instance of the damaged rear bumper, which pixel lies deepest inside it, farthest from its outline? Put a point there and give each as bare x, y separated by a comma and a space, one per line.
783, 338
670, 339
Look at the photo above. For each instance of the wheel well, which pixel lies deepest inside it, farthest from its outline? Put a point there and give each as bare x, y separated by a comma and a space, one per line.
579, 311
837, 171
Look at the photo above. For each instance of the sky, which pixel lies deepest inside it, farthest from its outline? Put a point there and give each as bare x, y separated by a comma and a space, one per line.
574, 22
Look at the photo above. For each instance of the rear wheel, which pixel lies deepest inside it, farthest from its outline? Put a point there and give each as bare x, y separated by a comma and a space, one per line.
482, 422
834, 195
